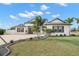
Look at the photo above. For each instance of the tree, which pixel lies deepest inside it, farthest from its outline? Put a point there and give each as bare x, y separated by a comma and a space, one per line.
34, 29
12, 28
70, 19
77, 19
38, 24
1, 33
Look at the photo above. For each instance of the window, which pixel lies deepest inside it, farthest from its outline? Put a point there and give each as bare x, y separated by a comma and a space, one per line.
61, 28
20, 29
58, 28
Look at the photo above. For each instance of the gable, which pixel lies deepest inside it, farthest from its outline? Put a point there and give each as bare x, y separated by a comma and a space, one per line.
57, 21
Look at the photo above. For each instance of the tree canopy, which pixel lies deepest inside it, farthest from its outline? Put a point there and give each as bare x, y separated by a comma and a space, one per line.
70, 19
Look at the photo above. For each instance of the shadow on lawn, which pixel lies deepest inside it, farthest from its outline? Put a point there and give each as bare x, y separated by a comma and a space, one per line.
74, 42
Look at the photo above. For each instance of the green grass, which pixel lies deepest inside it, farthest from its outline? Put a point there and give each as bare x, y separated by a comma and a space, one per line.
53, 46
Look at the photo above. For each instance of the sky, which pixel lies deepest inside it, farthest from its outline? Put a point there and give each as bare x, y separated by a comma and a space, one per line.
12, 14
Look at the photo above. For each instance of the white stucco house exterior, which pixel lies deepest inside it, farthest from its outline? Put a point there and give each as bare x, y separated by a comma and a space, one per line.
59, 26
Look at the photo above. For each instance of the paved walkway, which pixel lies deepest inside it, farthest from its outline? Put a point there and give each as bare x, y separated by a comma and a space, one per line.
8, 38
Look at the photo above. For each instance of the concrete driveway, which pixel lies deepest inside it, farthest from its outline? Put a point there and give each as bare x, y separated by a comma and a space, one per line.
8, 38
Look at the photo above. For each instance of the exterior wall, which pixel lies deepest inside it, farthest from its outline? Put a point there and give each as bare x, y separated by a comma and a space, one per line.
19, 32
14, 32
49, 26
25, 31
10, 32
66, 30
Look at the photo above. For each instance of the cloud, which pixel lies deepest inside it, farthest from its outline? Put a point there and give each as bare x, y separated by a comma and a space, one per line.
63, 4
56, 15
27, 15
37, 12
6, 3
22, 15
13, 17
30, 14
44, 7
48, 12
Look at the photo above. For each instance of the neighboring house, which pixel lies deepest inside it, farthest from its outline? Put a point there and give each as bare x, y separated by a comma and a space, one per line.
60, 28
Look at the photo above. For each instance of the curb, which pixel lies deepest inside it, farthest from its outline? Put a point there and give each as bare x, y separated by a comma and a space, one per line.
8, 50
6, 47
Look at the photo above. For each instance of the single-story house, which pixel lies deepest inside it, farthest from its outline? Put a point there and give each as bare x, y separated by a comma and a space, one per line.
59, 26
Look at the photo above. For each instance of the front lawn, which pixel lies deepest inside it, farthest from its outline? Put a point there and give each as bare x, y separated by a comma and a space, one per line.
52, 46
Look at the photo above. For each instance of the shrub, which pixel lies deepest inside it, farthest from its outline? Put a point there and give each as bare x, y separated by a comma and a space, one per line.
56, 35
49, 30
11, 41
22, 40
2, 31
30, 38
61, 35
64, 34
72, 35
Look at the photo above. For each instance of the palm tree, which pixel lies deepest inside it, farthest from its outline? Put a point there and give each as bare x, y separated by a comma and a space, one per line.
77, 19
38, 24
70, 19
42, 25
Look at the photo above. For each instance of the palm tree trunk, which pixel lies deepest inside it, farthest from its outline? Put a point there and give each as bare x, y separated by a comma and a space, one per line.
37, 32
41, 30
